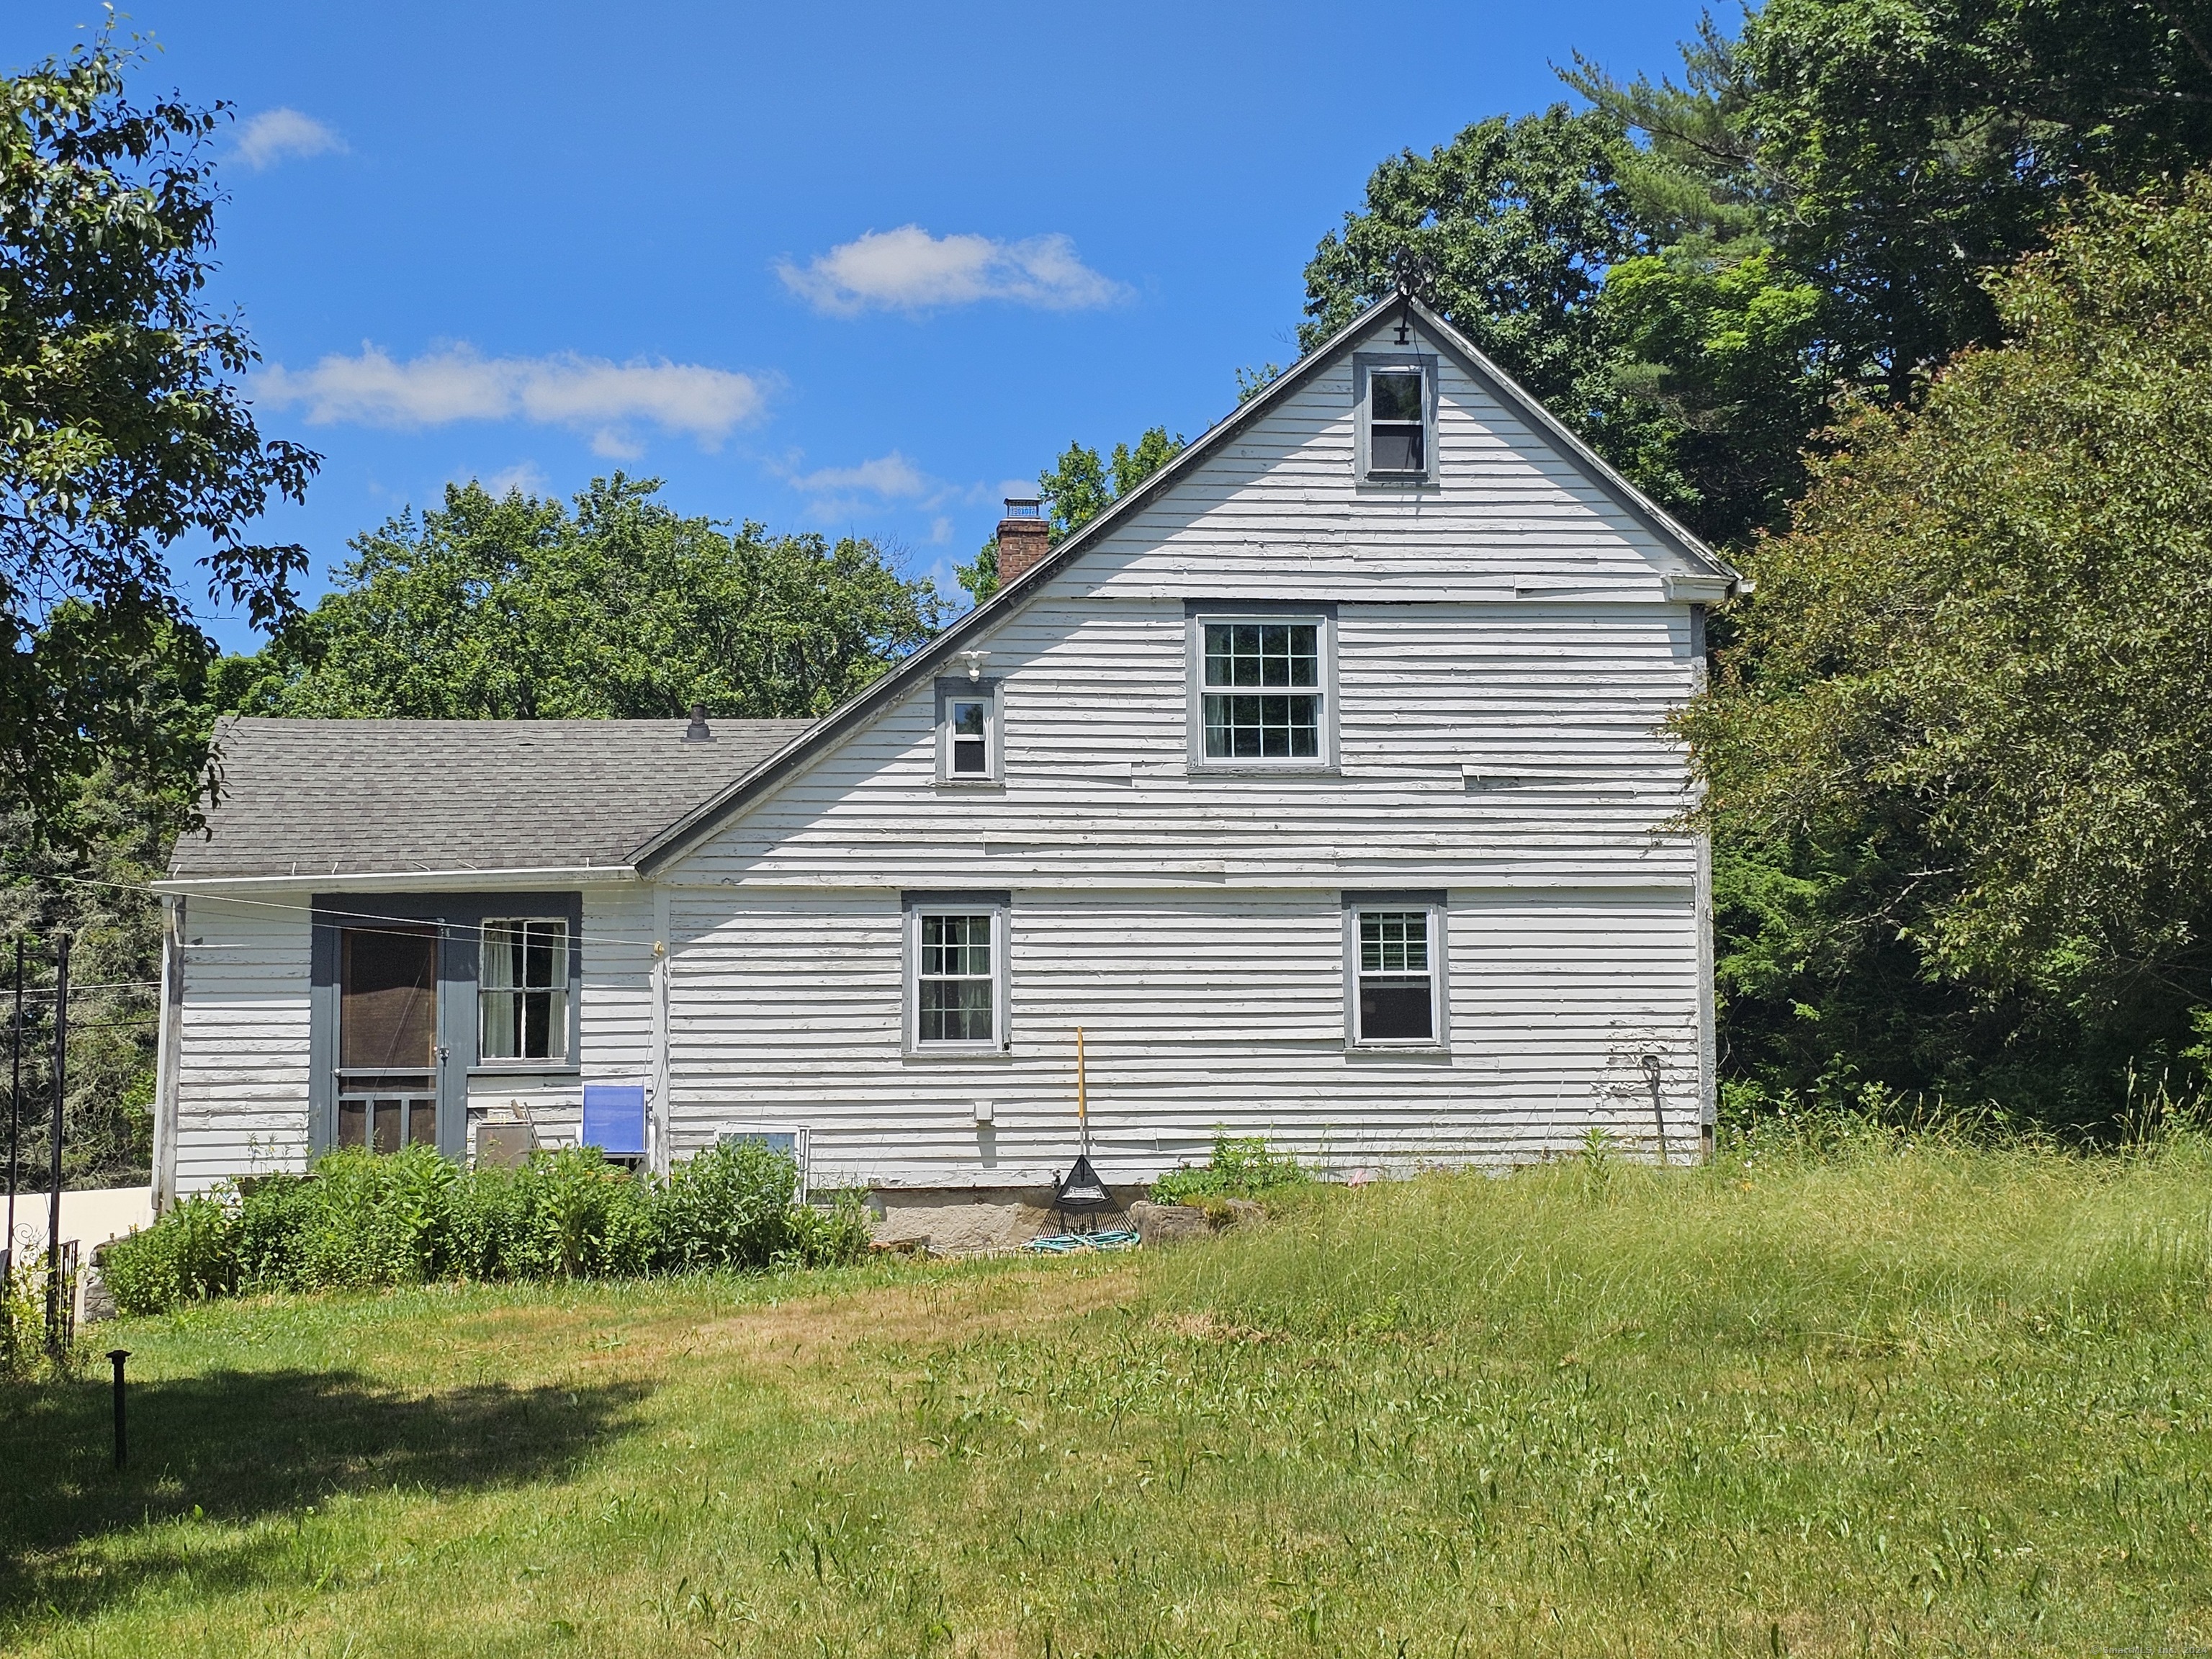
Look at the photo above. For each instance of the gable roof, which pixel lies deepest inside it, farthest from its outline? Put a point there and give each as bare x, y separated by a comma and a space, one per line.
304, 798
703, 818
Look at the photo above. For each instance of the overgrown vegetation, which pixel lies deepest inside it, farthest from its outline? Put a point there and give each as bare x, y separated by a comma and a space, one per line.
360, 1220
1241, 1167
1842, 1392
1958, 748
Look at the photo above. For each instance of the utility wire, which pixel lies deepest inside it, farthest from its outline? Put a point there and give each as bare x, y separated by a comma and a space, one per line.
349, 920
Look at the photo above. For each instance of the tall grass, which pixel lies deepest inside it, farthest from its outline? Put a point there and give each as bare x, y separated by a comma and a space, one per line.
1836, 1395
1772, 1248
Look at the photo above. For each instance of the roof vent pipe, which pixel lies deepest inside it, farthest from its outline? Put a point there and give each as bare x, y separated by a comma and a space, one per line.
697, 731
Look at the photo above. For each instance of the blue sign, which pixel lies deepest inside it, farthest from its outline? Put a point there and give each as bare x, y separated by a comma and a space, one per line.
614, 1118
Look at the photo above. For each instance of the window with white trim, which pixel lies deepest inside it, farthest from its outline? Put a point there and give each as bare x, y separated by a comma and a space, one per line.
522, 990
957, 952
1395, 946
1263, 689
1396, 400
968, 730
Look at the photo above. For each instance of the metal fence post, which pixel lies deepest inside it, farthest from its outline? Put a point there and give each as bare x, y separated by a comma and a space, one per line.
57, 1336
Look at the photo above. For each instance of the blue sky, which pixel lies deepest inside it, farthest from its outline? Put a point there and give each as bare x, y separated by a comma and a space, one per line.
856, 269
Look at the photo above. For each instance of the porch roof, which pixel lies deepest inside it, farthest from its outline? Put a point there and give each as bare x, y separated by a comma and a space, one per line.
303, 797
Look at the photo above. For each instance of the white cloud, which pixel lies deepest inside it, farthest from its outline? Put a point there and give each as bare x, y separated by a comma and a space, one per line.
523, 476
273, 135
458, 383
889, 477
940, 532
909, 269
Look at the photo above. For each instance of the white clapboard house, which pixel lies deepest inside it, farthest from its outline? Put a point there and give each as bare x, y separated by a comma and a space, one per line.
1322, 783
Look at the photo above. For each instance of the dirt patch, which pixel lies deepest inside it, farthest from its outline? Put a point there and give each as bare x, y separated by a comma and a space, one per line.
931, 1312
1204, 1328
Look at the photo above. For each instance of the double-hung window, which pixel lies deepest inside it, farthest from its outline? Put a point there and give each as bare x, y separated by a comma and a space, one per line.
968, 732
1394, 948
1395, 395
523, 990
1263, 691
957, 956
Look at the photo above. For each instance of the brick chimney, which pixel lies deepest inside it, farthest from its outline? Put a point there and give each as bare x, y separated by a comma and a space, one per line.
1024, 536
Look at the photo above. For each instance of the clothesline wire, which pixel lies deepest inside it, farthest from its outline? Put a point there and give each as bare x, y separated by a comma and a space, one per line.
350, 921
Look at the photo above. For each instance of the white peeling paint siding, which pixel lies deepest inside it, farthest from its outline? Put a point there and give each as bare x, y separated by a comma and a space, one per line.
1506, 654
618, 996
242, 1060
1199, 1009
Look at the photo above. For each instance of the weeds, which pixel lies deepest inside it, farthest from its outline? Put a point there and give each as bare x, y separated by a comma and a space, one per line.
1241, 1167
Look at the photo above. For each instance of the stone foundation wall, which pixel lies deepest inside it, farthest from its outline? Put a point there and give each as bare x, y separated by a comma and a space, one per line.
978, 1220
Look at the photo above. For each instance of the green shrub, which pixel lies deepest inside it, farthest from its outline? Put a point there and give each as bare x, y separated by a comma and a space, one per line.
191, 1253
21, 1318
362, 1220
834, 1237
729, 1206
1242, 1167
488, 1226
581, 1217
376, 1219
275, 1214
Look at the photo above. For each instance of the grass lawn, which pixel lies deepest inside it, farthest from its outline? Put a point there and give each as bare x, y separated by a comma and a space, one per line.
1931, 1402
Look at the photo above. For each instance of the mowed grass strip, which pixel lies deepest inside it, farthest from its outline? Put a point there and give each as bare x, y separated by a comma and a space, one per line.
1940, 1400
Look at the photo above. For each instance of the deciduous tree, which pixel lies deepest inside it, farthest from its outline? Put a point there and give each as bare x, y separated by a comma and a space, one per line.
124, 437
1970, 711
519, 608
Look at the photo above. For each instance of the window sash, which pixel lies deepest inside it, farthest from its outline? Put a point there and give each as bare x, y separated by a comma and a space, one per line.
1395, 984
1397, 417
1260, 690
968, 729
955, 978
523, 990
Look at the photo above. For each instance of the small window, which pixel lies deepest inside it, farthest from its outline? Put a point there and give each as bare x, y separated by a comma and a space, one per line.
957, 957
1261, 690
523, 990
968, 730
1396, 417
1397, 433
1395, 947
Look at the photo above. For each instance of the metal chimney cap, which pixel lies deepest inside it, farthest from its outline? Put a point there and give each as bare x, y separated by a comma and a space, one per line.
1024, 506
697, 731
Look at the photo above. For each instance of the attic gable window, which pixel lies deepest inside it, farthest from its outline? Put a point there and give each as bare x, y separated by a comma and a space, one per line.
1395, 395
968, 730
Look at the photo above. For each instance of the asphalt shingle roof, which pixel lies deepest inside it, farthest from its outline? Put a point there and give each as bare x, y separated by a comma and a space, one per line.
362, 797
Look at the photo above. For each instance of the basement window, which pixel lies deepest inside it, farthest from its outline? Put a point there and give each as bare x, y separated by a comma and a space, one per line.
1397, 408
1393, 949
523, 990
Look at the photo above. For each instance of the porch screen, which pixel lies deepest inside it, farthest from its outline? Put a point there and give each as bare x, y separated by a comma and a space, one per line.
388, 999
387, 1037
